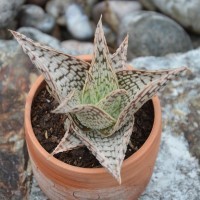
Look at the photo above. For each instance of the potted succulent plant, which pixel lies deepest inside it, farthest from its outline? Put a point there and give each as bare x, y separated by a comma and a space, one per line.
99, 97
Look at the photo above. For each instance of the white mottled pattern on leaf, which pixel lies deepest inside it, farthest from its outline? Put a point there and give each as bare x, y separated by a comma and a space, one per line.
119, 58
93, 117
109, 151
114, 103
145, 94
88, 115
101, 70
62, 72
71, 101
69, 141
110, 98
133, 81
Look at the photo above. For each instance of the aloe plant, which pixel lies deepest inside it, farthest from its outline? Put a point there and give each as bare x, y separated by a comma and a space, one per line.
99, 99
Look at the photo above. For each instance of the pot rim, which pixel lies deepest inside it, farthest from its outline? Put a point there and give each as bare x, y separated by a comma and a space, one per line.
133, 158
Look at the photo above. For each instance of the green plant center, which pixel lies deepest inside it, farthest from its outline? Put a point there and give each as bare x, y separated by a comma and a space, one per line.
95, 93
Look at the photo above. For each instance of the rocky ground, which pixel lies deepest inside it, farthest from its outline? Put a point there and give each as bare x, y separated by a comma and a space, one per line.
161, 35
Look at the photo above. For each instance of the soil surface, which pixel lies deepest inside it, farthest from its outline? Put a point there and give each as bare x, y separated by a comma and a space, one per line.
49, 130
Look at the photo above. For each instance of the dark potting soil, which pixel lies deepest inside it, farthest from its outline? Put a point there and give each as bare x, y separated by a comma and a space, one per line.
49, 130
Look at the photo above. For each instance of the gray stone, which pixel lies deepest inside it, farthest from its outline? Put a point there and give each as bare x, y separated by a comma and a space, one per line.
120, 8
8, 49
74, 47
153, 34
71, 47
185, 12
35, 192
34, 16
109, 17
78, 23
56, 8
8, 10
14, 85
88, 6
176, 175
40, 37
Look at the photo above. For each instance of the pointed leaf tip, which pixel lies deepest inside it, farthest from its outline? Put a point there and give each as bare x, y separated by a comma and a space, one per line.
13, 32
62, 72
119, 58
110, 151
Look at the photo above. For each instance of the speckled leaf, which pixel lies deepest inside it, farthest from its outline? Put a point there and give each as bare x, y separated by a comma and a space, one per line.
101, 71
143, 95
93, 117
119, 58
114, 102
110, 151
89, 116
62, 72
69, 141
70, 102
133, 81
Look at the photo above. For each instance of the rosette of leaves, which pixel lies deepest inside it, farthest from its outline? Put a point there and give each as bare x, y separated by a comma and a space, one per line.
99, 98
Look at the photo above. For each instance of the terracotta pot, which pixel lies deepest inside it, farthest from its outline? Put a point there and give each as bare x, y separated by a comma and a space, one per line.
62, 181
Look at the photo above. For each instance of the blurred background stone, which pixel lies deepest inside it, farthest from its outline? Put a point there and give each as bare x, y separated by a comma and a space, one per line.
78, 23
74, 47
120, 8
9, 10
40, 37
185, 12
56, 8
34, 16
153, 34
8, 49
87, 6
14, 84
